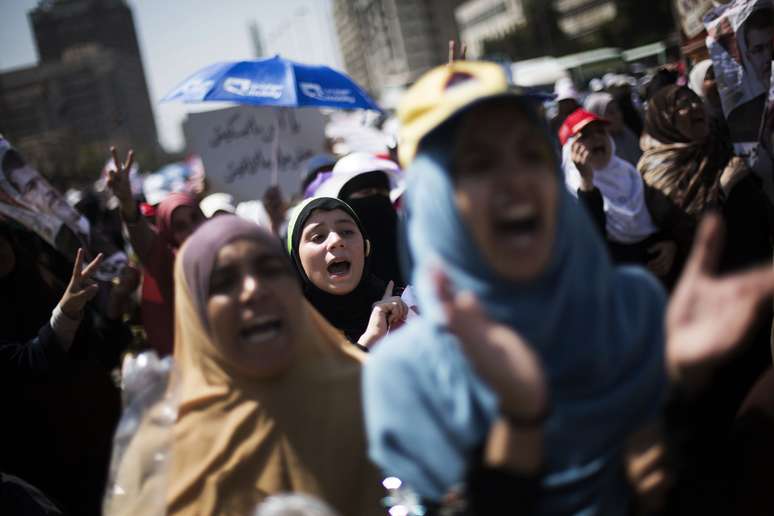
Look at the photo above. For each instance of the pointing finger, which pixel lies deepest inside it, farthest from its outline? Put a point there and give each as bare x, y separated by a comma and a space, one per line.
388, 290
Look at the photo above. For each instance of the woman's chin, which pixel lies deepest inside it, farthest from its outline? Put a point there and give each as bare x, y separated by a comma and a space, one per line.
338, 288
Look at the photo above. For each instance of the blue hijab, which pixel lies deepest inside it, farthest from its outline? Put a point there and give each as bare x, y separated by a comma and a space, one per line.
598, 329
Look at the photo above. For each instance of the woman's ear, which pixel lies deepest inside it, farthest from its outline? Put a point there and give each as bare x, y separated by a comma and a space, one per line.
368, 248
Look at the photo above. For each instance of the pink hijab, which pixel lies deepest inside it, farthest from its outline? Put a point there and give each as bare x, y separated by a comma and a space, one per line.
158, 292
164, 215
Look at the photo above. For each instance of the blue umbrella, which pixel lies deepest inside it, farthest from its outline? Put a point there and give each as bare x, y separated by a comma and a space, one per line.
273, 82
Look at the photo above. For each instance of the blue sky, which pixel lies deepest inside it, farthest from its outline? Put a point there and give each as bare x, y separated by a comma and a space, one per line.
177, 37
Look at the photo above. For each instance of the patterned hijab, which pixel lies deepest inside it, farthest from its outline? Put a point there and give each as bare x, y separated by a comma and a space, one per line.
687, 172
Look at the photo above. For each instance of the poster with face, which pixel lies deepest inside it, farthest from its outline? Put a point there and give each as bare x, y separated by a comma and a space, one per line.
740, 45
29, 199
740, 41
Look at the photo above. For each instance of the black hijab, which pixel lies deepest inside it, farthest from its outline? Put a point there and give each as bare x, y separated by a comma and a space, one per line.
380, 221
32, 289
349, 312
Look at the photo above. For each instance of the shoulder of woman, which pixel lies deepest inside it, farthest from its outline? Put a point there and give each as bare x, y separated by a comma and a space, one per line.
400, 348
413, 354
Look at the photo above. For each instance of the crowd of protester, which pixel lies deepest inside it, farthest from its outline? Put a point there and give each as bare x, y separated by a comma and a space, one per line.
517, 314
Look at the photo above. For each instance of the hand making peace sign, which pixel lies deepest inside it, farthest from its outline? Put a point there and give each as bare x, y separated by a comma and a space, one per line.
81, 288
118, 182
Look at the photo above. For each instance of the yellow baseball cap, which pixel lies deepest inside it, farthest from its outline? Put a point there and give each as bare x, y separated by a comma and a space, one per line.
439, 94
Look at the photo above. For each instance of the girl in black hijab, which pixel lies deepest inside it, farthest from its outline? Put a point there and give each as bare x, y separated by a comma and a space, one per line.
332, 254
364, 182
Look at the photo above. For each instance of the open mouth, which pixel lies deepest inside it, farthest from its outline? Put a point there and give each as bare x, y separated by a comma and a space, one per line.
520, 223
261, 329
339, 268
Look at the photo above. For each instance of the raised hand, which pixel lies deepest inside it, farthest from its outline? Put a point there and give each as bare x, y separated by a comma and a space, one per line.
118, 181
580, 155
388, 312
462, 53
502, 358
708, 316
275, 206
81, 288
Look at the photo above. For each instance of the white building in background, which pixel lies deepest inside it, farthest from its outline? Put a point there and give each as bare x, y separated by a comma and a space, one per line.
480, 20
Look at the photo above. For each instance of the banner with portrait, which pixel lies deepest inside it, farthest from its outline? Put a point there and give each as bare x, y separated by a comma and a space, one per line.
739, 39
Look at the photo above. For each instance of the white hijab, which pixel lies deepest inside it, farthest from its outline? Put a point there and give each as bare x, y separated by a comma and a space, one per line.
697, 76
628, 220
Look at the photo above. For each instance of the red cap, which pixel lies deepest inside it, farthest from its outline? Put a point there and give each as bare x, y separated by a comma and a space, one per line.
147, 210
575, 123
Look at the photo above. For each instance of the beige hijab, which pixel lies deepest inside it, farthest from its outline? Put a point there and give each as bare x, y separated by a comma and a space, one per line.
236, 440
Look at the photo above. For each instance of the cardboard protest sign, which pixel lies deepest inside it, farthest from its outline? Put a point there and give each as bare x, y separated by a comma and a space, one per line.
246, 149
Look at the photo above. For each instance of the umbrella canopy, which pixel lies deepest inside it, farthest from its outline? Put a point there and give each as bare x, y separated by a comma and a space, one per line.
273, 82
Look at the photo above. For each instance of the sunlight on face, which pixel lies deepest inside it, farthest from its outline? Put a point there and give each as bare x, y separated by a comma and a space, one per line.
332, 251
691, 117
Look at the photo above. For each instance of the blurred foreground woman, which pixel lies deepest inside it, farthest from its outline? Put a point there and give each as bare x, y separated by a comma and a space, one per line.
508, 267
268, 392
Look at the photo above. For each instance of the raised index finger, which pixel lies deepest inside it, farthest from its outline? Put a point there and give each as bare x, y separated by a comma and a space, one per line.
388, 290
